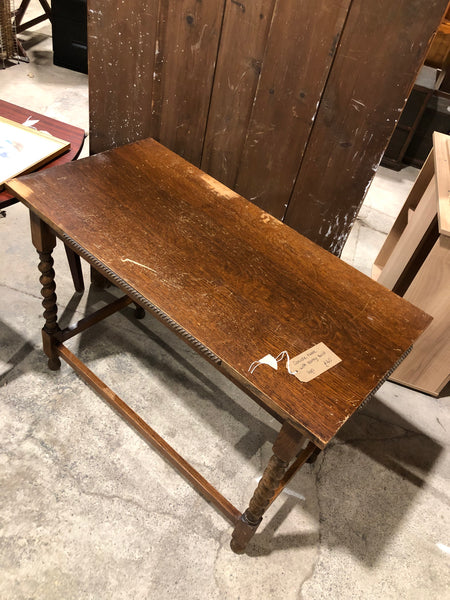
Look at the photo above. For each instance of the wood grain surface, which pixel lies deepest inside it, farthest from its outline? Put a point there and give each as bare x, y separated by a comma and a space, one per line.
233, 276
427, 368
381, 49
188, 40
235, 82
290, 103
442, 168
300, 50
121, 59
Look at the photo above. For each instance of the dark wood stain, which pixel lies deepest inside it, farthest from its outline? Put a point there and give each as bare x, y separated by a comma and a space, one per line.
291, 103
296, 61
121, 55
236, 78
382, 47
187, 41
235, 278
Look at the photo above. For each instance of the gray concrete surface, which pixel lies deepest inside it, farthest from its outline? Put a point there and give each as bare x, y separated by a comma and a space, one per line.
89, 511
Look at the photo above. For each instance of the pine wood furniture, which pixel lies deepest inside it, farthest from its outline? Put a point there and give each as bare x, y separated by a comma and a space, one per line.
234, 282
61, 130
415, 263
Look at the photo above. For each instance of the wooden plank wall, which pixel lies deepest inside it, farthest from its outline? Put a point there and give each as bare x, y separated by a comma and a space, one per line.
356, 119
289, 102
121, 63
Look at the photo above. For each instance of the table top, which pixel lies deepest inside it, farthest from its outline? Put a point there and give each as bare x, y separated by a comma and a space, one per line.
238, 280
61, 130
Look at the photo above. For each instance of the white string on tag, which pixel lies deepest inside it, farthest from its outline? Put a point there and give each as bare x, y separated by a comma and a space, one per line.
272, 362
265, 360
284, 354
306, 366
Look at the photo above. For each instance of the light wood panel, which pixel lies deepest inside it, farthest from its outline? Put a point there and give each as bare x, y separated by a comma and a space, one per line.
442, 168
427, 368
417, 191
415, 262
419, 222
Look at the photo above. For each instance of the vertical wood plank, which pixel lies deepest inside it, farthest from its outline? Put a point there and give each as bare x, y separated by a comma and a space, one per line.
300, 49
441, 147
243, 41
187, 45
151, 73
413, 237
383, 46
151, 68
427, 367
121, 50
414, 197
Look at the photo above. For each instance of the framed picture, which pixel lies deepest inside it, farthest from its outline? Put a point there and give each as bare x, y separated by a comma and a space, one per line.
23, 149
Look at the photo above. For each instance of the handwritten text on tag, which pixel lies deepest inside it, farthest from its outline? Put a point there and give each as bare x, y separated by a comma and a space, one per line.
311, 363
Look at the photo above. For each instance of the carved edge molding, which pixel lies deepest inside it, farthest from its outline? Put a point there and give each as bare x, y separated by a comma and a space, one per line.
130, 291
385, 378
173, 325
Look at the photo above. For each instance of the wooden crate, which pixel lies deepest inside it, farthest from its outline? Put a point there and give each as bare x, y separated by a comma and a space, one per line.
415, 263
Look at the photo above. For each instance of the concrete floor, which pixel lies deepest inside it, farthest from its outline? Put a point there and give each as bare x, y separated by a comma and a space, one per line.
89, 511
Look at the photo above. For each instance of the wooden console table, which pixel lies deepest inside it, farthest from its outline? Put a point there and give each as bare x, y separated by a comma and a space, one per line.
235, 283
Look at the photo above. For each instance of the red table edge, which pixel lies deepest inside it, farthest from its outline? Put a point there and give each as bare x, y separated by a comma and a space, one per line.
71, 133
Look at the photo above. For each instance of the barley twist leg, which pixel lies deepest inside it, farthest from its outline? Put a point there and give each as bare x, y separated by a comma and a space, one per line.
47, 280
286, 447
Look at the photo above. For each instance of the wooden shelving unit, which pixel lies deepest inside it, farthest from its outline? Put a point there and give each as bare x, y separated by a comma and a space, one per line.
414, 262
